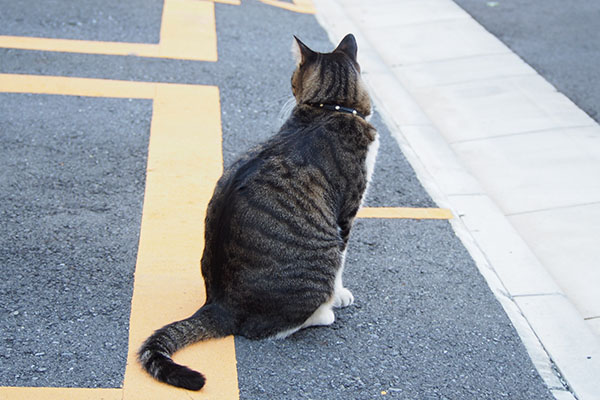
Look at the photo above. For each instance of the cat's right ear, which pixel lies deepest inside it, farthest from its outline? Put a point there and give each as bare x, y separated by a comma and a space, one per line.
302, 53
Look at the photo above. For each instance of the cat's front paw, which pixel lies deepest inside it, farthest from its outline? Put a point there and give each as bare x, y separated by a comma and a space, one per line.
343, 298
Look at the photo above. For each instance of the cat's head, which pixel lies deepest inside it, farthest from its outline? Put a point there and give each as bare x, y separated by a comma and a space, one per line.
330, 78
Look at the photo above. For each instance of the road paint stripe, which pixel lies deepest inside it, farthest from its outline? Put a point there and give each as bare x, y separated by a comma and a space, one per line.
404, 212
184, 163
40, 84
48, 393
299, 6
188, 32
231, 2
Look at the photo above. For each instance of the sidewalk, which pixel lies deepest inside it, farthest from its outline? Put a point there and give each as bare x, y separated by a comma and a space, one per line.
516, 160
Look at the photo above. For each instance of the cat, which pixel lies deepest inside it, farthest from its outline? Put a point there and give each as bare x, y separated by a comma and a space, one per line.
278, 223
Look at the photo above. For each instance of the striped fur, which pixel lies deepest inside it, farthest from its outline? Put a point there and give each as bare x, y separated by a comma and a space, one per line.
279, 220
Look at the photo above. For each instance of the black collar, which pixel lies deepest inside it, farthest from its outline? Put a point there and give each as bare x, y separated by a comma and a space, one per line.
335, 107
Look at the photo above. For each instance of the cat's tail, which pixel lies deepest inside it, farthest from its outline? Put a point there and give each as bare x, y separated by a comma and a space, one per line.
208, 322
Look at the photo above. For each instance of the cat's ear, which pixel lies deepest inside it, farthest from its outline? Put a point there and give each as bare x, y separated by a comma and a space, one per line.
348, 46
301, 52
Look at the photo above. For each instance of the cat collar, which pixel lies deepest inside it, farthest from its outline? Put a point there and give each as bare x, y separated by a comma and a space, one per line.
335, 107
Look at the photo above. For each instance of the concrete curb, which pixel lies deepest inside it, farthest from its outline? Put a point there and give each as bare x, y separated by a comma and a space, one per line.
563, 349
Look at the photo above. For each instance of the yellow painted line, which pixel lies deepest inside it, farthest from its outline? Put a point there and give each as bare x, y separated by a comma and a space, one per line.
299, 6
404, 212
40, 84
184, 163
232, 2
188, 31
48, 393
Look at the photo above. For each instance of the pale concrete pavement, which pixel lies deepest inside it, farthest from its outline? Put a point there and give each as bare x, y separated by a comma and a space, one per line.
514, 158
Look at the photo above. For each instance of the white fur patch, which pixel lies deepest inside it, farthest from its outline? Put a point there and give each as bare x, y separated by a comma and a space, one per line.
370, 164
372, 157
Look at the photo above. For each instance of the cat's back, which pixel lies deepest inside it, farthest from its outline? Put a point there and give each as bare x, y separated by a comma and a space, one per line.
284, 185
314, 159
290, 181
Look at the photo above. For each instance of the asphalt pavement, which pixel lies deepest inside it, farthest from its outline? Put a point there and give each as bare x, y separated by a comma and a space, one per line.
560, 40
425, 323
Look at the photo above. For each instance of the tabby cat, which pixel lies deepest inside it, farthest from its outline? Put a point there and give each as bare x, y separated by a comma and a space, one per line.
278, 223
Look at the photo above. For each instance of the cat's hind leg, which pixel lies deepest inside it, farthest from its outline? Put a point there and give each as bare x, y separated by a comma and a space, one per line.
322, 316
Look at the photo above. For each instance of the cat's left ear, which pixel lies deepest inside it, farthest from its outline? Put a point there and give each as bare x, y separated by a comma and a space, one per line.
348, 46
301, 52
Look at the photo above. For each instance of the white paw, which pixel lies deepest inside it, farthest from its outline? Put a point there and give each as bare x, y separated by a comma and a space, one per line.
322, 316
326, 318
343, 297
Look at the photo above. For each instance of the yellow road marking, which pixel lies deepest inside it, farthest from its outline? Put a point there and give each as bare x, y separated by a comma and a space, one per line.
184, 162
41, 84
48, 393
299, 6
404, 212
188, 31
